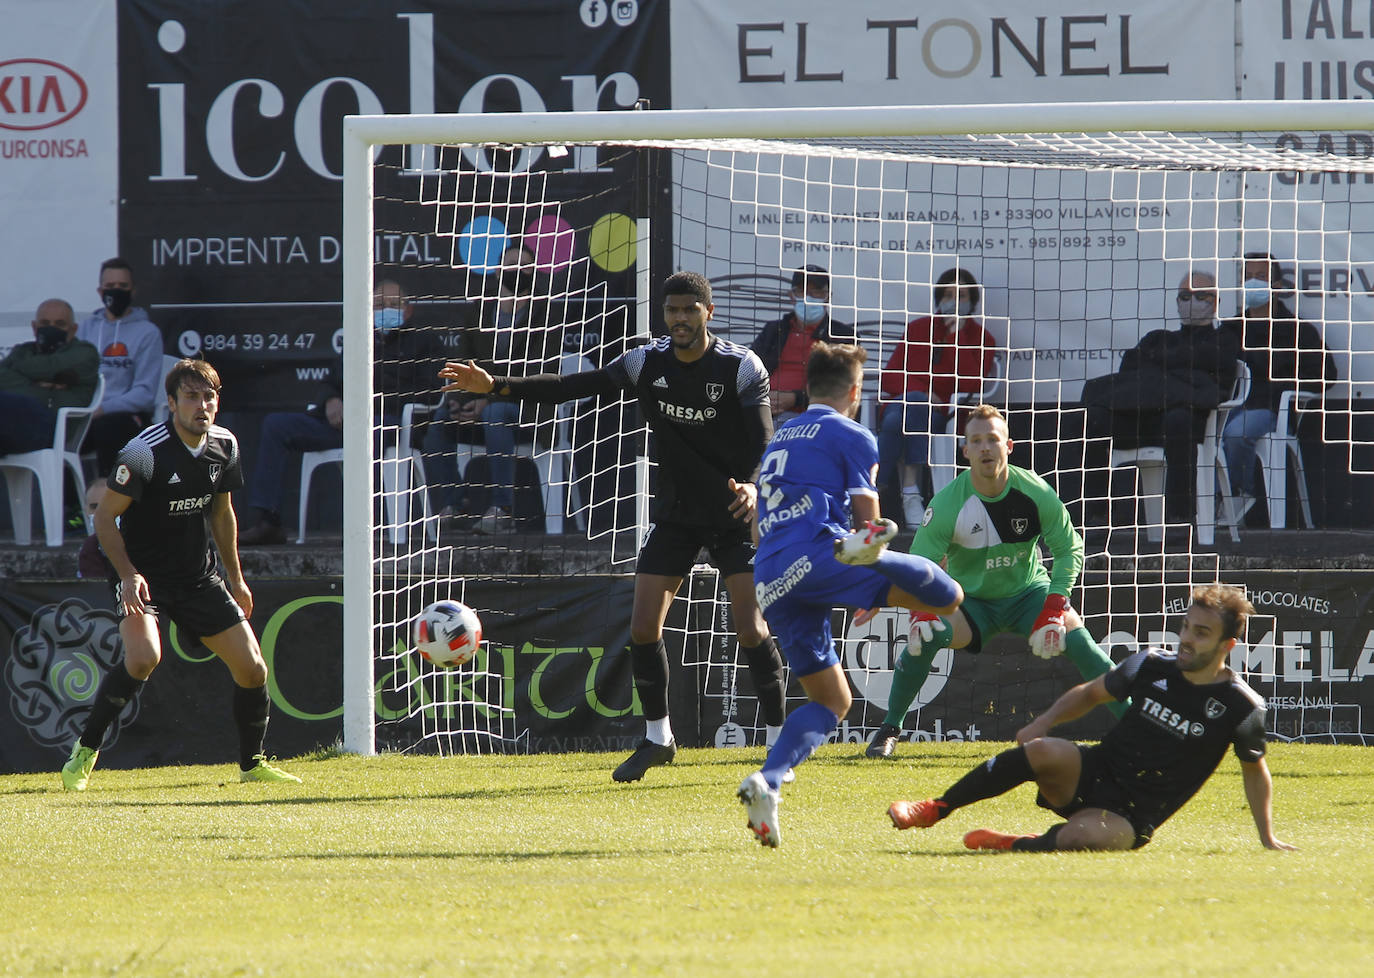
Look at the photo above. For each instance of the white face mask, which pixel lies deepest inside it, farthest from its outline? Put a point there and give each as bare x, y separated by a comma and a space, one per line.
809, 311
947, 307
1194, 311
1256, 292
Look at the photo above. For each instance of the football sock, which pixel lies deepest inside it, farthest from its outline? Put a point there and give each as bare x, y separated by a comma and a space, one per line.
806, 729
116, 689
660, 731
989, 779
913, 667
1090, 661
1038, 843
649, 661
770, 734
250, 716
918, 576
765, 668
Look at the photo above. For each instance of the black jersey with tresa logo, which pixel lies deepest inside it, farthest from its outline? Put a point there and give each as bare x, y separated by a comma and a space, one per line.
1176, 732
166, 528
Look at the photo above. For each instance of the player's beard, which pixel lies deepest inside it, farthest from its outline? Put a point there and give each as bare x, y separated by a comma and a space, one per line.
693, 335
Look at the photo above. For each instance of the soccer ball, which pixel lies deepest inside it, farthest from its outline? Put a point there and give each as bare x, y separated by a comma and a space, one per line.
448, 633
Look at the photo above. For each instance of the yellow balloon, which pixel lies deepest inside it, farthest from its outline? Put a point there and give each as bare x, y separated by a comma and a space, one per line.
611, 243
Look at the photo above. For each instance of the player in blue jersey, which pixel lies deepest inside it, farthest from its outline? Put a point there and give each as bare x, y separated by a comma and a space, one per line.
1186, 709
815, 482
706, 401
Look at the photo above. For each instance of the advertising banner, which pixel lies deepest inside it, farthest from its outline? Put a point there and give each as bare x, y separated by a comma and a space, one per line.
59, 155
231, 121
949, 52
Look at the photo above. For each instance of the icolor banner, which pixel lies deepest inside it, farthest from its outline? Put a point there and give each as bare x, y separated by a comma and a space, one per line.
231, 167
949, 52
58, 155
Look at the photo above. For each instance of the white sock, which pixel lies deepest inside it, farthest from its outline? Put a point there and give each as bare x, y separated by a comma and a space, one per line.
659, 731
770, 734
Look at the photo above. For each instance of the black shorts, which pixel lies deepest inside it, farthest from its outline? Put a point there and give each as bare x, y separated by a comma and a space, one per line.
200, 607
672, 550
1097, 788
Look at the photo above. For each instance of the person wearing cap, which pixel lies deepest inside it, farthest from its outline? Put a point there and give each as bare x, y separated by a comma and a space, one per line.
784, 344
941, 356
1283, 353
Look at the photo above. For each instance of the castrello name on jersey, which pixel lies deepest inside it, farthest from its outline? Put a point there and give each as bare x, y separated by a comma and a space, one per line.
1176, 723
186, 507
689, 414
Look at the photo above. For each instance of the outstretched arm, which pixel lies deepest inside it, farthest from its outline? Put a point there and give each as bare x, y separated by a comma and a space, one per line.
1259, 792
1072, 705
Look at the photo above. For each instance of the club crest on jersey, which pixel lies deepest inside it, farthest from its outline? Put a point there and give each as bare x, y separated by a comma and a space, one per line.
122, 475
1214, 708
214, 471
1020, 525
715, 391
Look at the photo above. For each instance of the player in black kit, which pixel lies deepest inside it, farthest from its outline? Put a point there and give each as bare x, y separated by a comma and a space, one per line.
706, 400
169, 493
1186, 709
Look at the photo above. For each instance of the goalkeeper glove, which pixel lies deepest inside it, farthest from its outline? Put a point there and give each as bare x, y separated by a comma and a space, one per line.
1047, 635
924, 626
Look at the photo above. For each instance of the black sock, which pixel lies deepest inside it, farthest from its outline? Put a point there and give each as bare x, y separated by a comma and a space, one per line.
250, 716
1039, 843
765, 668
116, 689
649, 661
990, 779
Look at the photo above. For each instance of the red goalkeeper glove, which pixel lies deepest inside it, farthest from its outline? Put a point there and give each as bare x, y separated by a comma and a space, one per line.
924, 626
1047, 635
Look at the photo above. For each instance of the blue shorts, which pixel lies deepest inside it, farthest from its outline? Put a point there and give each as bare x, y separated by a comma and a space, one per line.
797, 591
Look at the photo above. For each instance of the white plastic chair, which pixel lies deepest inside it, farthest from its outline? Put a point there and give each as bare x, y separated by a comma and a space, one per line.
1211, 472
160, 402
310, 461
1275, 450
944, 445
46, 465
553, 464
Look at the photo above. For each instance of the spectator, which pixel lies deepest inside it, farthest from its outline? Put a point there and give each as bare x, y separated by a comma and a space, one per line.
130, 347
784, 344
404, 358
1165, 389
53, 370
514, 334
940, 357
1283, 353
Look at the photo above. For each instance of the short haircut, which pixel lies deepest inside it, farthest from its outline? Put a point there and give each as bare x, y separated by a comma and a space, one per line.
968, 284
71, 313
191, 369
117, 263
1193, 273
688, 283
1277, 278
987, 412
810, 275
833, 368
1227, 601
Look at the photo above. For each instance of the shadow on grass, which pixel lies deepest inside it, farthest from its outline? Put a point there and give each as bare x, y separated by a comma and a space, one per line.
509, 856
522, 791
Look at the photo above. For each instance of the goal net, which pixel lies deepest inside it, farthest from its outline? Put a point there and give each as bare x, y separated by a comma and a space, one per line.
536, 244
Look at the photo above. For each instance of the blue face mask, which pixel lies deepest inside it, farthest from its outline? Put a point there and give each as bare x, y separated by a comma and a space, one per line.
809, 311
1256, 292
385, 320
949, 306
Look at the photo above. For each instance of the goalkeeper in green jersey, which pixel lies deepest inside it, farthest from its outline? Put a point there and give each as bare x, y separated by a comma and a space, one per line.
985, 529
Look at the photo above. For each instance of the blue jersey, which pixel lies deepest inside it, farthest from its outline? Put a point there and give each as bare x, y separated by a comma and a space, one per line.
811, 468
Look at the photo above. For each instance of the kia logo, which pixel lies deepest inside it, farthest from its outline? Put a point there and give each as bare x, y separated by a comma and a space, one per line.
38, 94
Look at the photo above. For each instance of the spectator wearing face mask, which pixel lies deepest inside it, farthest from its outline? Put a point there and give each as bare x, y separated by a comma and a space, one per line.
513, 333
1166, 387
784, 345
53, 370
130, 347
403, 364
940, 357
1283, 353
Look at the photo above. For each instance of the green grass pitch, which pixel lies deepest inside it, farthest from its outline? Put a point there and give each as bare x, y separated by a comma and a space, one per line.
403, 866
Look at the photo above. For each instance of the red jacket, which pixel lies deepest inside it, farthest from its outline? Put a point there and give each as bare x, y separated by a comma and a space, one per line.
934, 359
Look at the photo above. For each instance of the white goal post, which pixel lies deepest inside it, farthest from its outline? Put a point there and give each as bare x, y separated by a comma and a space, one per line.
1131, 137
